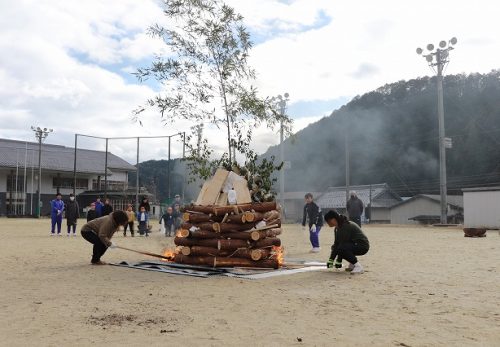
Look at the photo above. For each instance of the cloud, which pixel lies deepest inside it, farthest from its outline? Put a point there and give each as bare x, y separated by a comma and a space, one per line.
365, 70
66, 64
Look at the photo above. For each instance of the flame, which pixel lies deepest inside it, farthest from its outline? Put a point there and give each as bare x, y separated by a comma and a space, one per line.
279, 254
169, 254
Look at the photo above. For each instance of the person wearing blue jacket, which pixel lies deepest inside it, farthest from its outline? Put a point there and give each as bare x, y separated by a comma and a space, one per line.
56, 214
98, 207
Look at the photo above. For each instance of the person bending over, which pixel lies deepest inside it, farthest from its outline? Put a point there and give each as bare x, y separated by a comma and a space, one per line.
350, 241
100, 231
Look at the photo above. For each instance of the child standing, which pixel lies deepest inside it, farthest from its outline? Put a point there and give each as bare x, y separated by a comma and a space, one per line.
91, 213
100, 231
143, 220
131, 220
168, 220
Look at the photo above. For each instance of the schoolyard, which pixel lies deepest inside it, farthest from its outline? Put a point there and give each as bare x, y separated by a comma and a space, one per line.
422, 286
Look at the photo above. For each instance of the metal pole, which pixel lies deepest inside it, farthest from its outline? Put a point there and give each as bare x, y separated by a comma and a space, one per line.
184, 156
370, 204
32, 179
74, 166
39, 172
25, 179
168, 169
106, 171
346, 171
282, 171
137, 179
17, 190
442, 150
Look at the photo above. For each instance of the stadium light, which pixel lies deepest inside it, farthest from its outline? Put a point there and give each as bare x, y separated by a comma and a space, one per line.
40, 134
439, 58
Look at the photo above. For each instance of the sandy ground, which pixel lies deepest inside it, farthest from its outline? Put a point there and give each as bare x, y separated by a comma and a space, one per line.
422, 287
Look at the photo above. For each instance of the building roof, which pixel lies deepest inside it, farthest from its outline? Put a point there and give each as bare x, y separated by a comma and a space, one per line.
456, 201
58, 158
481, 189
381, 196
297, 195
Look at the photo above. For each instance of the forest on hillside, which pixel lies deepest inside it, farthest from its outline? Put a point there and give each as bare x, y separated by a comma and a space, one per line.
392, 135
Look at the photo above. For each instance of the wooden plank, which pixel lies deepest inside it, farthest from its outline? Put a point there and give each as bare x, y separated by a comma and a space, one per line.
215, 186
242, 192
202, 192
222, 200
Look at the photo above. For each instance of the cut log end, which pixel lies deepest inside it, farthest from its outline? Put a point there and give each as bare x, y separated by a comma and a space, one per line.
183, 233
185, 251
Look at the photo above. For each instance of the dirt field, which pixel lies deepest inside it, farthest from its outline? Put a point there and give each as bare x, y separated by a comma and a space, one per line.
422, 287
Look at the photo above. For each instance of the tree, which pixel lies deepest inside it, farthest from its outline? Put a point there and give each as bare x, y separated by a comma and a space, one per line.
206, 79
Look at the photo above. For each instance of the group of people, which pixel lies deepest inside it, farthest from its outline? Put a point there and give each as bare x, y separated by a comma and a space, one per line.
71, 211
350, 241
99, 231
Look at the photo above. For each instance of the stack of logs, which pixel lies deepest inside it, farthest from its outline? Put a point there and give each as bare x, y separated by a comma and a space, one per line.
243, 235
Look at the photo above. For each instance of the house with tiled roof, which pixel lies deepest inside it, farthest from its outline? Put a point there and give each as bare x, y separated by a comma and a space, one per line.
19, 175
377, 199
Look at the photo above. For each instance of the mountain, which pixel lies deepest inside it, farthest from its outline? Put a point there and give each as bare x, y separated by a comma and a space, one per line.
392, 136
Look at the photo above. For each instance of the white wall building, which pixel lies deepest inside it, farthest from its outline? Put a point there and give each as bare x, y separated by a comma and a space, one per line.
426, 209
482, 207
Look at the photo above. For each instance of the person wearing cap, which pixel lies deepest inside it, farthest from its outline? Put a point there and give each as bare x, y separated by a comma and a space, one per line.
56, 214
100, 231
72, 214
312, 213
355, 208
350, 241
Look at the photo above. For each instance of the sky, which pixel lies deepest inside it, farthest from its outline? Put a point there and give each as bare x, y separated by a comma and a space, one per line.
67, 65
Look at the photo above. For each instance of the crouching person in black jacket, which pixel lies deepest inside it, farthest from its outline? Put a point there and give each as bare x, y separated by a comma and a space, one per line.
350, 241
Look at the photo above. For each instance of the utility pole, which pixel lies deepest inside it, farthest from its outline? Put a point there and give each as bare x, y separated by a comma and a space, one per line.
282, 102
347, 173
40, 134
439, 58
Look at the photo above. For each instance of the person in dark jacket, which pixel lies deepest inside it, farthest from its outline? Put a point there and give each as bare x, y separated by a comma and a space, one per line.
145, 204
72, 214
312, 213
107, 208
168, 220
350, 241
91, 214
355, 208
100, 231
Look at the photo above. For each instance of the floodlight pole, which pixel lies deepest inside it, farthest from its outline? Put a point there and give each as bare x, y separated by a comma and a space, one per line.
282, 104
168, 169
74, 166
442, 150
106, 171
439, 58
40, 134
137, 179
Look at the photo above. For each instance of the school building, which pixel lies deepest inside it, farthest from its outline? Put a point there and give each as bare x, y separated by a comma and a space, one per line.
19, 175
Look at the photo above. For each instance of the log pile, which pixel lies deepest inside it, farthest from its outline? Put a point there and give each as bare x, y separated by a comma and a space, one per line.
218, 234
